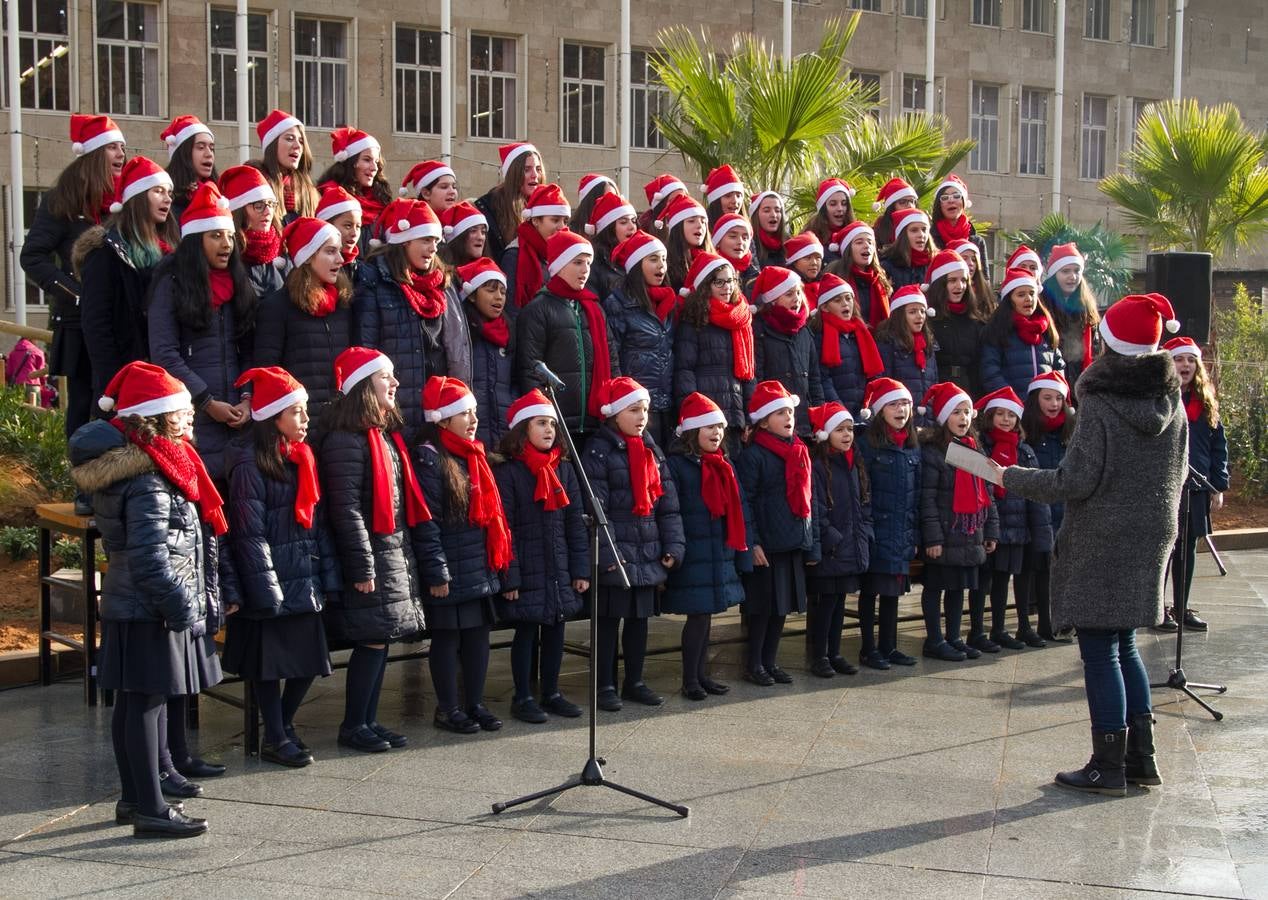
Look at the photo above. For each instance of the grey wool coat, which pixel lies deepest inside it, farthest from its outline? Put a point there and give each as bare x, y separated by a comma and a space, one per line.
1120, 480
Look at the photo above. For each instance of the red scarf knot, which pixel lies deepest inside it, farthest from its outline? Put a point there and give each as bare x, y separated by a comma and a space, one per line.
261, 246
424, 293
720, 491
665, 301
796, 469
785, 320
920, 258
736, 318
949, 231
597, 328
496, 331
739, 263
1052, 423
877, 296
384, 513
1193, 406
769, 241
327, 300
349, 254
530, 263
1004, 451
544, 467
1032, 328
178, 462
484, 507
920, 347
644, 474
308, 490
220, 282
898, 437
834, 327
969, 501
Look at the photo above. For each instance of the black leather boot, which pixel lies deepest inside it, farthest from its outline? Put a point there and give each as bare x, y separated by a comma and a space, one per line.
1105, 771
1140, 764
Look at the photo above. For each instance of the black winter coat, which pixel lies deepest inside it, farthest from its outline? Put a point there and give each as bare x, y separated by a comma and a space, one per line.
303, 344
495, 242
493, 380
704, 362
1208, 451
707, 580
775, 528
900, 275
644, 346
1022, 521
111, 304
641, 540
893, 474
552, 548
268, 277
509, 263
793, 361
862, 296
46, 260
605, 278
900, 363
845, 520
937, 518
281, 567
959, 352
1048, 453
553, 330
844, 383
462, 543
1015, 363
402, 564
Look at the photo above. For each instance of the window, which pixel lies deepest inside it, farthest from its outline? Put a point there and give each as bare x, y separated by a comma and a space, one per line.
984, 127
1140, 106
1032, 138
583, 105
1035, 16
223, 76
321, 72
988, 12
30, 203
913, 94
870, 82
1093, 137
865, 5
1096, 20
492, 101
43, 54
1144, 22
918, 8
648, 99
127, 58
417, 79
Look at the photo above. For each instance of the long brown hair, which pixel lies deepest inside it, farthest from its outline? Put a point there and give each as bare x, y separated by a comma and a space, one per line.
896, 330
507, 197
937, 296
265, 439
1032, 418
181, 169
344, 175
455, 481
821, 451
81, 187
899, 251
981, 290
397, 262
581, 213
145, 428
1205, 391
301, 179
1000, 325
359, 411
142, 234
305, 289
514, 441
819, 225
680, 253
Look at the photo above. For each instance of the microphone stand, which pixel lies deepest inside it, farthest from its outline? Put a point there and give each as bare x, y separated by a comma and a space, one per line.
1176, 680
592, 772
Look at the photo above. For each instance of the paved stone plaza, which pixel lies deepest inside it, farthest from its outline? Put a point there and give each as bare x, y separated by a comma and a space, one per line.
932, 782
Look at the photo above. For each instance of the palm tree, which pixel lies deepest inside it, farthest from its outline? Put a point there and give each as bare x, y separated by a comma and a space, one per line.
1106, 252
782, 124
1195, 179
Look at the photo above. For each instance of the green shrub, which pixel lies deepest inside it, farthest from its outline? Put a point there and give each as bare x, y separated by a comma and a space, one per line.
20, 543
1242, 381
68, 553
37, 439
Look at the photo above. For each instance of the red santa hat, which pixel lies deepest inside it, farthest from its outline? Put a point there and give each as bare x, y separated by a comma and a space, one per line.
424, 174
546, 200
562, 248
1181, 346
826, 418
530, 406
207, 211
273, 389
334, 202
460, 218
89, 133
355, 365
508, 153
621, 393
1061, 256
721, 181
879, 393
905, 218
702, 266
943, 398
944, 263
1134, 324
444, 397
182, 129
476, 273
828, 188
769, 397
139, 175
891, 192
661, 187
270, 128
415, 220
144, 389
909, 293
305, 236
1004, 398
755, 201
963, 246
1052, 381
955, 183
1015, 278
590, 183
347, 143
678, 210
726, 222
1022, 254
244, 185
698, 411
843, 237
772, 283
634, 249
607, 209
832, 286
799, 246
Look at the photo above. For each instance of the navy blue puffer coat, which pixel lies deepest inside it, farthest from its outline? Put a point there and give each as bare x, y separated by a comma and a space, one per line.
303, 344
845, 520
937, 517
900, 364
843, 383
493, 381
462, 543
704, 361
793, 361
894, 477
1015, 363
775, 528
707, 581
1048, 454
644, 345
1023, 521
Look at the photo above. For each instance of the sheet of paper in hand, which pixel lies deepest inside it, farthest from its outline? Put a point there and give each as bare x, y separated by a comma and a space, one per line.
972, 462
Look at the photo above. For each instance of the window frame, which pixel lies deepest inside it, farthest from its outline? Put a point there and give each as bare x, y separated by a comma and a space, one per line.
1108, 17
997, 118
854, 6
298, 105
35, 36
514, 76
160, 44
1151, 19
1086, 129
417, 68
648, 88
270, 87
867, 75
997, 5
1024, 122
1045, 5
582, 82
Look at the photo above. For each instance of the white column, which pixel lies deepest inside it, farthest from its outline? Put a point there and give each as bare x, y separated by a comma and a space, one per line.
623, 102
931, 19
1179, 49
788, 33
1058, 118
446, 80
243, 81
17, 215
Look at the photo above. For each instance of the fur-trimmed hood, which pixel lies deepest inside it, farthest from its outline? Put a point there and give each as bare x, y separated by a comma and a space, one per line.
95, 238
1144, 391
101, 456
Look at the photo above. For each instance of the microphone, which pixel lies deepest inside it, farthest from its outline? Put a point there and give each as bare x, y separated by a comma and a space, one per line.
547, 377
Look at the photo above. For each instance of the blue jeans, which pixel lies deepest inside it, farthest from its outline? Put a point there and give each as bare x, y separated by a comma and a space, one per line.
1115, 679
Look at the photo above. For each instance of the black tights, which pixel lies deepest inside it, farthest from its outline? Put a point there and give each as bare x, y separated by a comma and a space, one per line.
888, 637
366, 667
695, 649
1023, 591
278, 706
551, 658
826, 616
1043, 601
933, 604
633, 647
454, 647
764, 632
134, 731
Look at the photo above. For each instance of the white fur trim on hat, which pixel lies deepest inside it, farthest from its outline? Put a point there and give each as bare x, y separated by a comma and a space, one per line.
462, 404
1003, 403
515, 154
879, 403
174, 141
109, 136
904, 193
822, 199
841, 415
791, 281
425, 230
211, 223
335, 210
532, 212
1045, 381
666, 190
593, 184
571, 252
532, 412
907, 300
1028, 256
855, 229
756, 202
712, 417
276, 131
914, 217
324, 235
835, 291
1120, 346
720, 233
652, 246
811, 248
141, 185
470, 287
350, 151
155, 406
1185, 350
683, 215
792, 401
299, 395
255, 195
612, 215
623, 402
731, 187
1061, 262
452, 231
1009, 286
946, 269
358, 375
709, 267
959, 186
433, 176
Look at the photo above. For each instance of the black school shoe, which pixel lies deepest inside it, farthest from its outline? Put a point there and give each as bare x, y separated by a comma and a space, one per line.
983, 644
285, 754
608, 701
125, 811
759, 677
780, 676
363, 739
842, 666
180, 790
1007, 641
899, 658
873, 660
969, 652
528, 711
716, 688
822, 668
197, 768
456, 721
694, 692
942, 651
484, 718
289, 730
1192, 622
393, 739
1168, 622
560, 705
641, 693
171, 825
1031, 638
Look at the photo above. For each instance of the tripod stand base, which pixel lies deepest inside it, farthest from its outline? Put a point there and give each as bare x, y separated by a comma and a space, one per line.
1177, 681
591, 776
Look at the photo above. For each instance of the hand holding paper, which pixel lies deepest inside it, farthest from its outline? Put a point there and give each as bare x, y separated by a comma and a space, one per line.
974, 463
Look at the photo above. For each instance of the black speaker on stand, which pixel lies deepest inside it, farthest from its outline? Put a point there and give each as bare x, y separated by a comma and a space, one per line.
1185, 280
